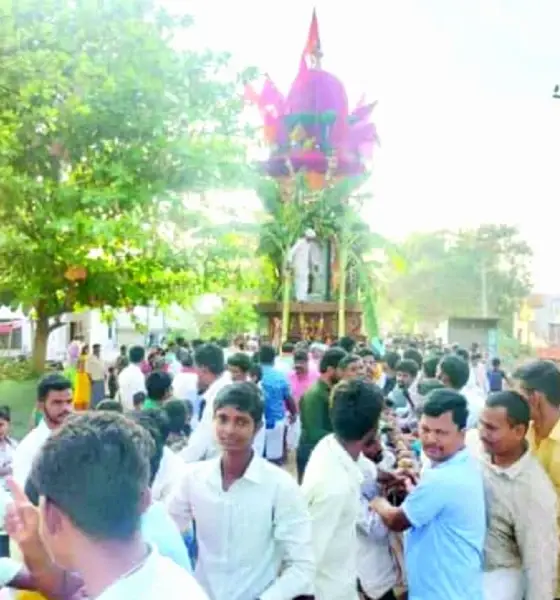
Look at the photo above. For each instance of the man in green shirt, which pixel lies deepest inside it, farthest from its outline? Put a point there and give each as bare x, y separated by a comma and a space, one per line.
159, 387
314, 407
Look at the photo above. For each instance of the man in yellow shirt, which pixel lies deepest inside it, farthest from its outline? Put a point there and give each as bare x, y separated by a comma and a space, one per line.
539, 382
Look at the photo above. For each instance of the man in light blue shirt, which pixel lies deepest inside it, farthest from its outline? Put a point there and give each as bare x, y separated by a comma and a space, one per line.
445, 514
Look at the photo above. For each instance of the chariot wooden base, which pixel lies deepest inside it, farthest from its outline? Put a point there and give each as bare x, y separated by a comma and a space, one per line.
308, 321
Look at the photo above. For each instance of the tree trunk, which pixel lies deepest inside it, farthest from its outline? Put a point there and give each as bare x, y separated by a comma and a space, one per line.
40, 340
342, 265
286, 301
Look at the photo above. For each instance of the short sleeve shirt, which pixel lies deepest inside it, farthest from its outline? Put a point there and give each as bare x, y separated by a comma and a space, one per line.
444, 547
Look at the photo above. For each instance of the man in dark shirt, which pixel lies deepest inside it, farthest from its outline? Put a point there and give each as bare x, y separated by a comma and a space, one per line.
314, 407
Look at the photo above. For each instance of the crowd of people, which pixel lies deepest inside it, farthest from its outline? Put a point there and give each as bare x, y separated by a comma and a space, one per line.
209, 471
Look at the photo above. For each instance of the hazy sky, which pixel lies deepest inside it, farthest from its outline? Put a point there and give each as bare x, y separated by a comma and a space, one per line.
469, 131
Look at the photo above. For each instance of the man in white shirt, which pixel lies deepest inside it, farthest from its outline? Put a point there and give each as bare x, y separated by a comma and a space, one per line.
252, 526
131, 378
453, 371
185, 383
93, 482
521, 548
212, 378
54, 401
332, 487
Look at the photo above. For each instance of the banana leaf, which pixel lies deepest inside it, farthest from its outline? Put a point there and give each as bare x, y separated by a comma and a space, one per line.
368, 301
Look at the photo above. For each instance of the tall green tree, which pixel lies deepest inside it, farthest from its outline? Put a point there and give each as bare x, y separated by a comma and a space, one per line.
104, 124
468, 273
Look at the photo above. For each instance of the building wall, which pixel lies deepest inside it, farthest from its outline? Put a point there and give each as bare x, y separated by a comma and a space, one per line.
537, 324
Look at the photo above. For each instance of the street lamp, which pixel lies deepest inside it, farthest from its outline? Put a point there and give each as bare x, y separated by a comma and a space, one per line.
556, 92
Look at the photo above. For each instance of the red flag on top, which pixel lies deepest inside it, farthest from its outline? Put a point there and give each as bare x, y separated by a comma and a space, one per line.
313, 44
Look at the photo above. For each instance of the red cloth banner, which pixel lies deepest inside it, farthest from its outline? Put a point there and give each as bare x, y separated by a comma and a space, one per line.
7, 327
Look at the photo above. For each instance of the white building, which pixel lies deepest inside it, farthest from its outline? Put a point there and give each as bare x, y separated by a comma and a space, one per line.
17, 331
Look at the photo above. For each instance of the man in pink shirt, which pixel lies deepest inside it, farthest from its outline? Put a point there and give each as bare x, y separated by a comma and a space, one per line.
301, 377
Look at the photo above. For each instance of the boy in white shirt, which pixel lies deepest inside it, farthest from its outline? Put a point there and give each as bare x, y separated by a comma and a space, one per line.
332, 487
252, 527
93, 479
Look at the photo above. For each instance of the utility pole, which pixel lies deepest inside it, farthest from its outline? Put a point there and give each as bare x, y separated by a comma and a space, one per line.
484, 289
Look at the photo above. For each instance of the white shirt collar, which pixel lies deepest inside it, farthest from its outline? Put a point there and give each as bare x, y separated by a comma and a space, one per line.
354, 467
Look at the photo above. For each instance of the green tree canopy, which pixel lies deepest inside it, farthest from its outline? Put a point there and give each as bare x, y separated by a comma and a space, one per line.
463, 274
104, 124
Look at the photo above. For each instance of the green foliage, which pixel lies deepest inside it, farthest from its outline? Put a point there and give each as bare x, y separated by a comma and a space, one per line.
20, 397
236, 317
15, 369
448, 272
333, 213
104, 124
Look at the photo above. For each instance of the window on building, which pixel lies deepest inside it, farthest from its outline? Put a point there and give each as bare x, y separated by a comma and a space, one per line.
554, 334
10, 340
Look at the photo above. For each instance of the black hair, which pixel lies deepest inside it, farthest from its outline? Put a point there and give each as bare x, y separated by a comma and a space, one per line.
112, 405
356, 408
240, 360
464, 354
267, 354
446, 400
415, 355
391, 359
347, 360
256, 372
346, 343
301, 356
430, 366
158, 385
149, 422
287, 347
138, 398
5, 413
331, 358
89, 461
244, 396
186, 359
429, 385
517, 408
54, 382
211, 357
363, 352
176, 411
409, 366
496, 362
136, 354
456, 369
541, 376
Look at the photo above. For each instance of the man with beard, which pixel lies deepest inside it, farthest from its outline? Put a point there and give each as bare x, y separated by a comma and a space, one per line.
210, 368
54, 401
445, 514
314, 407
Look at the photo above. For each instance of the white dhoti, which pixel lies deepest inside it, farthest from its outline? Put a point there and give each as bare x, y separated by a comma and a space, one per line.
301, 285
504, 584
293, 435
274, 447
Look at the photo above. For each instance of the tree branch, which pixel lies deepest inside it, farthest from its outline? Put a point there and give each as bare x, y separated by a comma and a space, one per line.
56, 324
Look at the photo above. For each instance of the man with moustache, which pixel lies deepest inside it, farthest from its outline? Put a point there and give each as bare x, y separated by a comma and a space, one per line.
445, 514
521, 550
314, 407
54, 401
